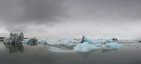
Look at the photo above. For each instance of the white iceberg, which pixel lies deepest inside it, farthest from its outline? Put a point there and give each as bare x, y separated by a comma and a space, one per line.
68, 42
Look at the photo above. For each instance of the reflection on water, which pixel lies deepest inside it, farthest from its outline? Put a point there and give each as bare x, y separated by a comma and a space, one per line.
14, 47
87, 54
109, 50
40, 54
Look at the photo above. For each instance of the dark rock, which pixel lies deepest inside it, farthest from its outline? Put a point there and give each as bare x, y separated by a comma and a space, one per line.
115, 39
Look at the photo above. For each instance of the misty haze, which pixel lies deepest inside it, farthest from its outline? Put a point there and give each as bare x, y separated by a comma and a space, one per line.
70, 31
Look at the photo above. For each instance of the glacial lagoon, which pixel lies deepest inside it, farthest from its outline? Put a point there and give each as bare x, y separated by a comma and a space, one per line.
45, 54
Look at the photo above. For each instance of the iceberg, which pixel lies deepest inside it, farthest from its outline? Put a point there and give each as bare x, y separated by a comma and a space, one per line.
25, 41
88, 39
113, 45
68, 42
87, 44
32, 41
43, 41
93, 41
85, 47
15, 38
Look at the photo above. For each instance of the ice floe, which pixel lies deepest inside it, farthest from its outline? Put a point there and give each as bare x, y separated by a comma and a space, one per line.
113, 45
85, 44
85, 47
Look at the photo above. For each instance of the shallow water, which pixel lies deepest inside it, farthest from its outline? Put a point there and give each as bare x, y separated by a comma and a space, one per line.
39, 54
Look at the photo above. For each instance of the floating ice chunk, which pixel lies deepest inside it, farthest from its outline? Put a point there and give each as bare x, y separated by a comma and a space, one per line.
25, 41
113, 45
68, 42
29, 42
32, 41
85, 47
92, 41
43, 41
109, 41
89, 40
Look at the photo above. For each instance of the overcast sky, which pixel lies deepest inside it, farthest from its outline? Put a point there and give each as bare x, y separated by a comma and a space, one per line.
59, 18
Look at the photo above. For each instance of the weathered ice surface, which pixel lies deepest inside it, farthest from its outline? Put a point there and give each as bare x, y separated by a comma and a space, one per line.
113, 45
42, 41
32, 41
85, 44
89, 44
85, 47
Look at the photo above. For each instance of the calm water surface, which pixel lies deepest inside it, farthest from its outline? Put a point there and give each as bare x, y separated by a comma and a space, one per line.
39, 54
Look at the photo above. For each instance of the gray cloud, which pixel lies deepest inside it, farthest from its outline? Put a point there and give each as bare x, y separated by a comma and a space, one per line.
15, 12
106, 9
18, 11
18, 15
47, 11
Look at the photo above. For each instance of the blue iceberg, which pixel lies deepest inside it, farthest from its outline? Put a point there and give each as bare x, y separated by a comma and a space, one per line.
87, 44
43, 41
68, 42
88, 40
85, 47
32, 41
113, 45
